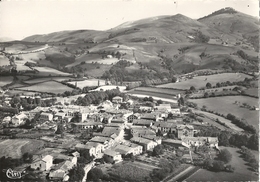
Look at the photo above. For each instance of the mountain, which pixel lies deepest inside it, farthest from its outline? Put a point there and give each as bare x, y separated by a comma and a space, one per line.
158, 47
234, 26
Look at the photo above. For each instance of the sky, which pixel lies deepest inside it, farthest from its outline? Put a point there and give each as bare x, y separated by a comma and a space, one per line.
22, 18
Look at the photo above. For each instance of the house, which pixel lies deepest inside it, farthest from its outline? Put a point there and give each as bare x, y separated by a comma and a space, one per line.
143, 122
175, 143
131, 117
130, 102
87, 125
146, 108
185, 131
117, 133
93, 148
117, 99
59, 116
176, 111
166, 107
165, 127
158, 140
125, 149
43, 164
140, 131
112, 156
46, 117
19, 119
211, 142
106, 141
61, 171
148, 116
148, 145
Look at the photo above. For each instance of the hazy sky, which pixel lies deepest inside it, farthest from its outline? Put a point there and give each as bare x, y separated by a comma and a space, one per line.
22, 18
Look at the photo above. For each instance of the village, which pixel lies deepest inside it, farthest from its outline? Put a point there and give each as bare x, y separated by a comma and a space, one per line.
123, 129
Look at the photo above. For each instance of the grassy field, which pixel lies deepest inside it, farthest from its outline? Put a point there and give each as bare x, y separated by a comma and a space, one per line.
152, 94
38, 80
46, 71
159, 90
252, 91
201, 81
5, 80
226, 104
88, 83
50, 86
241, 173
16, 147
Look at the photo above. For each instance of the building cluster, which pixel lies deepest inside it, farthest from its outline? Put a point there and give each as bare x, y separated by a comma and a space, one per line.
115, 133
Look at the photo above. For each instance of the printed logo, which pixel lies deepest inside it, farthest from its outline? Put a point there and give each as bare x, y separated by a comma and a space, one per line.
14, 174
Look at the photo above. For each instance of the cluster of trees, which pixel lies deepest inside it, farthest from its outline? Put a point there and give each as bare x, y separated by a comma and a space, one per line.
242, 124
97, 97
251, 59
230, 139
167, 167
95, 174
200, 37
77, 173
250, 158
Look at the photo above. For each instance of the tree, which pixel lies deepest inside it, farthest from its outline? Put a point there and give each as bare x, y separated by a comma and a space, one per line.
159, 102
60, 129
95, 174
253, 142
158, 150
223, 139
76, 174
181, 102
225, 156
208, 163
192, 88
208, 85
27, 157
206, 94
174, 79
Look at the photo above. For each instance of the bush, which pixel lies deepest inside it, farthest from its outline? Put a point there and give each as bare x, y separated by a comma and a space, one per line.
218, 165
225, 156
95, 174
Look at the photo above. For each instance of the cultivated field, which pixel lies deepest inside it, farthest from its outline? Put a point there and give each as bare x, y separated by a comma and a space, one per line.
88, 83
226, 104
132, 170
252, 92
4, 80
201, 81
110, 87
50, 87
152, 94
241, 172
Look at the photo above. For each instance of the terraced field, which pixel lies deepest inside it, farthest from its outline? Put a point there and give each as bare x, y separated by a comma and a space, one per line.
88, 83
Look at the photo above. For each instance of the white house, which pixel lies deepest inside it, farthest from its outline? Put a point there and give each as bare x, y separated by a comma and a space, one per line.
117, 99
43, 164
18, 119
46, 117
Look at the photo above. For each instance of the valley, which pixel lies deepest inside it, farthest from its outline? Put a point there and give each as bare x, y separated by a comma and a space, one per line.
165, 98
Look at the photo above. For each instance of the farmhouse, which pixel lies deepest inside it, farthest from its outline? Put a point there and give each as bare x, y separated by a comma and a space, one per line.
43, 164
164, 107
131, 148
112, 156
18, 119
175, 143
117, 133
106, 141
140, 131
165, 127
61, 171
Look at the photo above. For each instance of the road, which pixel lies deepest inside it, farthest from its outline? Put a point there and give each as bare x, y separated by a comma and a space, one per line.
174, 178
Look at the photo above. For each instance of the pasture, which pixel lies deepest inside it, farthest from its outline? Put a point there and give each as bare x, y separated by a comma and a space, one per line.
88, 83
4, 80
4, 61
159, 90
241, 173
252, 92
225, 105
49, 87
201, 81
151, 94
110, 87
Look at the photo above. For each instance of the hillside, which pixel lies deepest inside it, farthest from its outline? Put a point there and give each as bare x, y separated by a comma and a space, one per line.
236, 27
154, 48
